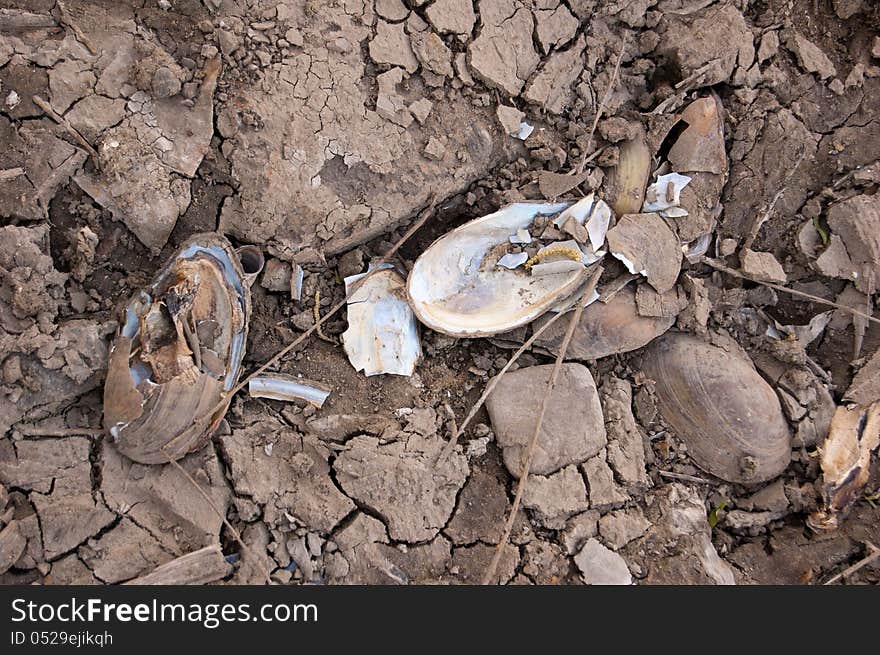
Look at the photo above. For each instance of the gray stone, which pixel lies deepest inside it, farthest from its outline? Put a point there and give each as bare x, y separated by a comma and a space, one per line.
573, 429
600, 566
626, 450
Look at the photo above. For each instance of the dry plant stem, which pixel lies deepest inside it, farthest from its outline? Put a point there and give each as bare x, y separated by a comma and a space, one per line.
530, 451
79, 138
800, 294
601, 108
235, 533
683, 477
752, 234
59, 432
875, 554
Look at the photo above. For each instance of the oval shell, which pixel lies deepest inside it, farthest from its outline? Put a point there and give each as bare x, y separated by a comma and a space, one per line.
721, 408
177, 354
452, 291
606, 329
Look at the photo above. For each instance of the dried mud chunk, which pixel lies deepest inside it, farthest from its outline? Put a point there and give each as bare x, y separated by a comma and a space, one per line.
834, 260
452, 16
433, 53
865, 387
551, 86
651, 303
572, 431
762, 266
556, 27
700, 198
504, 55
292, 476
620, 527
400, 482
716, 36
648, 247
810, 56
545, 563
68, 82
626, 450
162, 500
857, 222
391, 9
600, 566
482, 508
69, 516
606, 329
70, 570
124, 552
12, 544
391, 45
731, 421
603, 490
677, 547
554, 498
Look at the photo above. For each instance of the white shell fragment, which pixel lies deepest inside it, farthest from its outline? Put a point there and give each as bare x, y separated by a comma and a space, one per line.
593, 214
629, 265
382, 334
278, 386
522, 237
525, 131
513, 260
455, 288
296, 282
658, 195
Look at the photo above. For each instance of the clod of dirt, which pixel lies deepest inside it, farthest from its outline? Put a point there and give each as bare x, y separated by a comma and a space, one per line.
554, 498
647, 246
469, 563
600, 566
510, 119
604, 492
857, 222
606, 328
124, 552
161, 499
545, 563
399, 481
810, 56
292, 477
572, 431
620, 527
551, 87
578, 529
626, 449
556, 26
58, 474
481, 511
834, 260
12, 544
865, 387
762, 266
503, 55
677, 547
731, 421
432, 53
713, 40
452, 16
391, 46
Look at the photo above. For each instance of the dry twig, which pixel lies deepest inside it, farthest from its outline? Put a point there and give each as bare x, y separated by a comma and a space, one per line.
36, 431
530, 451
874, 554
671, 475
718, 266
601, 108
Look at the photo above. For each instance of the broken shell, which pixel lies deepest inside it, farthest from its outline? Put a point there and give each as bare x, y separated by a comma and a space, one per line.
627, 180
178, 352
277, 386
606, 329
456, 288
382, 334
845, 459
700, 146
721, 408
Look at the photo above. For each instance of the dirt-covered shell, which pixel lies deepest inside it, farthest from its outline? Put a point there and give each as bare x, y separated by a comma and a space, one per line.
729, 418
606, 329
178, 352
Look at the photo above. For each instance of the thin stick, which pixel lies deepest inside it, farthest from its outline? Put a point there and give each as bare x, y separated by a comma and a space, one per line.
580, 168
756, 226
235, 533
816, 299
63, 122
34, 431
875, 554
683, 477
530, 452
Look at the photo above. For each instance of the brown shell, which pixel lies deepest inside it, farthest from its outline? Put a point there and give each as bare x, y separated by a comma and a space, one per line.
178, 353
606, 329
628, 180
720, 407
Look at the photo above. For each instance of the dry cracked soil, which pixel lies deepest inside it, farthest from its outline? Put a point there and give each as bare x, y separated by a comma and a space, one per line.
317, 131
